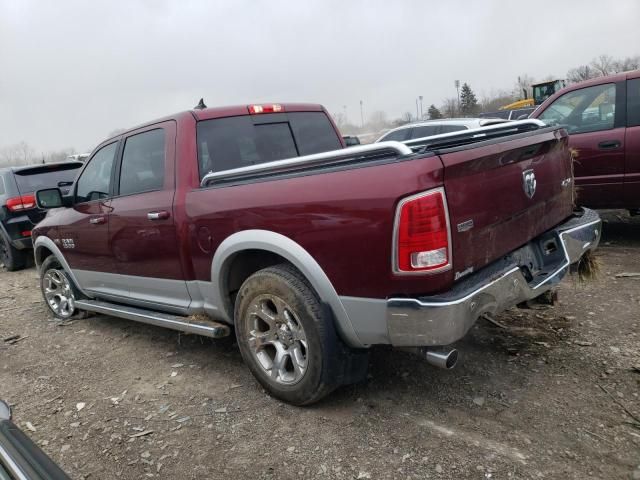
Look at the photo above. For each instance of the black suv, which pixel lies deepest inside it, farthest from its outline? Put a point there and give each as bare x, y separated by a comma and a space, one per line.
18, 210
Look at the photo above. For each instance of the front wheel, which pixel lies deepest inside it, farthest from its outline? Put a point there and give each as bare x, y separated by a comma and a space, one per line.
285, 337
57, 289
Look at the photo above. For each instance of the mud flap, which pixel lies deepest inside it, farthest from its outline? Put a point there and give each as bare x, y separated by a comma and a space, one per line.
345, 365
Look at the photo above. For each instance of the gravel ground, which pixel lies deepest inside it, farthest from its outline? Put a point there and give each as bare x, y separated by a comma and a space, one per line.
554, 394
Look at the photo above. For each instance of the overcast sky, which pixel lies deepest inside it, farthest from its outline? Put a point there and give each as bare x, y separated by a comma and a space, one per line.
73, 71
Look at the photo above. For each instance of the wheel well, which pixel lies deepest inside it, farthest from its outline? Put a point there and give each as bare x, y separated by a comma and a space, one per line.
240, 267
41, 255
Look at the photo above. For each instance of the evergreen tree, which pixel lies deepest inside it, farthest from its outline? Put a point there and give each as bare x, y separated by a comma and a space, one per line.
434, 113
468, 102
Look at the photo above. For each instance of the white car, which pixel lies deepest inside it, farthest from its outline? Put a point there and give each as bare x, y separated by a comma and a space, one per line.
436, 127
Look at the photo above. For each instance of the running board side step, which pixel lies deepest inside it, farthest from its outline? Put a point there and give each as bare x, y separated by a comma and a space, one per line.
206, 328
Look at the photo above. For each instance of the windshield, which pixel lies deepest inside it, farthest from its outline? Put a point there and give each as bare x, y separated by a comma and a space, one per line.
46, 176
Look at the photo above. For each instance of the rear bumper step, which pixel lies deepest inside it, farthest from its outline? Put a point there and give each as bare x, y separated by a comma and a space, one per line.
206, 328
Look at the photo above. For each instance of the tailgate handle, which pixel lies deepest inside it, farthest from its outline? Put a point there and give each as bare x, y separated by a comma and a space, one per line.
97, 220
609, 144
161, 215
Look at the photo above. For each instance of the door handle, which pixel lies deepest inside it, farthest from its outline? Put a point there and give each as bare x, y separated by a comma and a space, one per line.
97, 220
161, 215
609, 144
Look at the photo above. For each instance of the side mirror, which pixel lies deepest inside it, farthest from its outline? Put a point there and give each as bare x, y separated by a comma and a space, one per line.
49, 198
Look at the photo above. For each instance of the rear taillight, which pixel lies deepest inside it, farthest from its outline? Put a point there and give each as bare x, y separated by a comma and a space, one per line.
25, 202
269, 108
422, 240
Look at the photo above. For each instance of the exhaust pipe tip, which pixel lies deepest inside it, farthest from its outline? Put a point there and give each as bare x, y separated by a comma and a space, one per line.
445, 359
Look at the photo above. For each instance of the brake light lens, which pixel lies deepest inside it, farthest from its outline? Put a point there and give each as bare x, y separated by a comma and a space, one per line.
423, 237
269, 108
24, 202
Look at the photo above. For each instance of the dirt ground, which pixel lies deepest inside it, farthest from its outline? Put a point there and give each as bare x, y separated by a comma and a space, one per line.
553, 395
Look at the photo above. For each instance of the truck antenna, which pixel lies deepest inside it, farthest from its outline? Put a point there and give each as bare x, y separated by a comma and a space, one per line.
200, 105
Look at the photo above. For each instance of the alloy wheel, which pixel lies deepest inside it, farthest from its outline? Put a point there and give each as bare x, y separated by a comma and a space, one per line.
277, 339
58, 293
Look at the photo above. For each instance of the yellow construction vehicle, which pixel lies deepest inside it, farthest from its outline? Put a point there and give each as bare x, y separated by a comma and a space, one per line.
541, 91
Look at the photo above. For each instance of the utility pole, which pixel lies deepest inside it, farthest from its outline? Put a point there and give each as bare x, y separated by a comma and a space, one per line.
417, 117
457, 84
361, 116
421, 112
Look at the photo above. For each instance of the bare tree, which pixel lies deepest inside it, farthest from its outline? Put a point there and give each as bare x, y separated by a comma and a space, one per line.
523, 86
17, 154
603, 65
581, 73
626, 64
449, 107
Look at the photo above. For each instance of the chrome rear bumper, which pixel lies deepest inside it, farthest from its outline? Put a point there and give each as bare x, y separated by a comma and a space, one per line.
441, 320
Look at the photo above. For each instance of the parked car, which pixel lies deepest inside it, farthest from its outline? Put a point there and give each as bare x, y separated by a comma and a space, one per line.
602, 117
20, 458
256, 217
436, 127
515, 114
18, 211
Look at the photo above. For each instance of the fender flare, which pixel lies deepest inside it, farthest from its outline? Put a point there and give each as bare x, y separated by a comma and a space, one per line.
46, 242
297, 256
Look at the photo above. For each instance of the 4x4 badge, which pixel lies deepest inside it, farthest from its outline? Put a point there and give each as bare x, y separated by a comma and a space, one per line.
529, 183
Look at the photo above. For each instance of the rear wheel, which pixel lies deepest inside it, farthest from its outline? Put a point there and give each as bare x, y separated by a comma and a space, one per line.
57, 289
286, 338
12, 258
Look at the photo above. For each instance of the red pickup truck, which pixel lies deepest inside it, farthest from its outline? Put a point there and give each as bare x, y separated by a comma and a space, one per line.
258, 218
602, 117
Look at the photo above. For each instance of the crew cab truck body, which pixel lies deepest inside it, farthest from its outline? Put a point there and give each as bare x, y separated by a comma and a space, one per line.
258, 218
602, 116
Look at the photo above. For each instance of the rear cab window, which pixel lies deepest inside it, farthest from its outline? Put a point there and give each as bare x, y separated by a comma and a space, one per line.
234, 142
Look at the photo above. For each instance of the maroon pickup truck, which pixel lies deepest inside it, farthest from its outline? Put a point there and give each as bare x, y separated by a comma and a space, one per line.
602, 117
258, 218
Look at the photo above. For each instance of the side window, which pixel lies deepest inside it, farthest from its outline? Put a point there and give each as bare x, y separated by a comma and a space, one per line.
142, 167
2, 189
398, 135
95, 181
425, 131
633, 102
586, 110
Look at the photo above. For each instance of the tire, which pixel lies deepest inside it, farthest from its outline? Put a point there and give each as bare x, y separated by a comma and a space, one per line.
12, 258
288, 340
58, 290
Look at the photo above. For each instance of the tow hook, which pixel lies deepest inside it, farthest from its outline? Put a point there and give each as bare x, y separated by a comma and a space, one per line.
445, 358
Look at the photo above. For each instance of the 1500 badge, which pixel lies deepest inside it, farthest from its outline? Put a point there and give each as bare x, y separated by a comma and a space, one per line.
68, 243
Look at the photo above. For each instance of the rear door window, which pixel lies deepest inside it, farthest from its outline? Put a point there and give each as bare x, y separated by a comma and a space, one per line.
234, 142
452, 128
143, 163
95, 181
397, 135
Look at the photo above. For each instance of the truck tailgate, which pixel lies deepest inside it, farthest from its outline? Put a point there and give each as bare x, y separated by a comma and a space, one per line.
489, 187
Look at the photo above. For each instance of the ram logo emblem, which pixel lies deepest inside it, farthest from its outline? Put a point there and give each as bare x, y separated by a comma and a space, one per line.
529, 183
